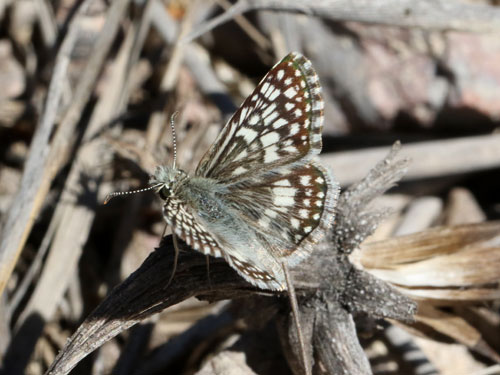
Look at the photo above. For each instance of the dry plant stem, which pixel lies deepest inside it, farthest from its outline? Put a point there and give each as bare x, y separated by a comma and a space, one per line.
492, 370
44, 160
25, 207
3, 6
138, 33
195, 58
420, 215
118, 93
250, 29
463, 208
428, 159
75, 205
35, 266
453, 326
5, 332
172, 72
10, 112
169, 79
336, 348
77, 219
48, 27
144, 294
296, 317
47, 21
74, 211
277, 26
109, 319
425, 14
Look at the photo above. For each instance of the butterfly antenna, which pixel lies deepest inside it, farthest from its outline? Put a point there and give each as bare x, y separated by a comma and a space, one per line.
117, 193
174, 138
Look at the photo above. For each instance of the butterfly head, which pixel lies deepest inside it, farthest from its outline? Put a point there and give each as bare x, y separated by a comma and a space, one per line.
166, 179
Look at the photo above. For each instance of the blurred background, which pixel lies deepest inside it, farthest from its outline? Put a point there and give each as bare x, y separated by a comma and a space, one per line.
87, 91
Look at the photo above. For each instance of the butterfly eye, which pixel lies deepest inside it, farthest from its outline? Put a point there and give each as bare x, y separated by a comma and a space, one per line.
164, 193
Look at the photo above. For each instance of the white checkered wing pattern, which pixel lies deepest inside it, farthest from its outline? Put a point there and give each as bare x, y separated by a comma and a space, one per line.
187, 226
278, 124
197, 234
289, 209
282, 198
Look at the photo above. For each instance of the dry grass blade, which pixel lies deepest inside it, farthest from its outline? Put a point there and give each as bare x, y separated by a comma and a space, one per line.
443, 267
444, 264
424, 245
434, 323
42, 166
195, 58
73, 230
16, 227
47, 21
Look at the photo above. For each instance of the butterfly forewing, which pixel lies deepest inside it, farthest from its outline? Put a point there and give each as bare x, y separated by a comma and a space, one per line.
279, 123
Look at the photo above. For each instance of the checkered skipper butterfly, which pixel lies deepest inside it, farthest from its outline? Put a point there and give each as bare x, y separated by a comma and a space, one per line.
259, 197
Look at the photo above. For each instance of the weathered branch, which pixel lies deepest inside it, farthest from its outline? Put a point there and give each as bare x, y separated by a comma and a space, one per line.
428, 159
425, 14
327, 277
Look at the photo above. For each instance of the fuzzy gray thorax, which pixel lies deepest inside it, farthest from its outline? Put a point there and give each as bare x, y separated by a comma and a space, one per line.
204, 195
205, 198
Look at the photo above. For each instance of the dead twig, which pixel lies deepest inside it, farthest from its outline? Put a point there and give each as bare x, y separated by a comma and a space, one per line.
196, 59
43, 165
23, 210
428, 159
427, 14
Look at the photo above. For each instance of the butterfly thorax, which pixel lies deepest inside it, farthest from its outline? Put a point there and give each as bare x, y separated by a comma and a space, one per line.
202, 195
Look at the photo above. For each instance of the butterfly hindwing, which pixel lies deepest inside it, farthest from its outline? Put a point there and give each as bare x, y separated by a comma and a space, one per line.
210, 239
188, 228
288, 208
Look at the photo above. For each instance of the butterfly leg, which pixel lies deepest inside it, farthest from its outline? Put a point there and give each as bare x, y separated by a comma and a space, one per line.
164, 231
295, 312
208, 271
176, 257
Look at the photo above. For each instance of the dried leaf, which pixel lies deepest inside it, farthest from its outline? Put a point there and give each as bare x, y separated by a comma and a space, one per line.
445, 264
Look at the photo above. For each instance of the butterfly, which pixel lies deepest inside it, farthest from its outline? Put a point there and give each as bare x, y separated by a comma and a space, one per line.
259, 196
